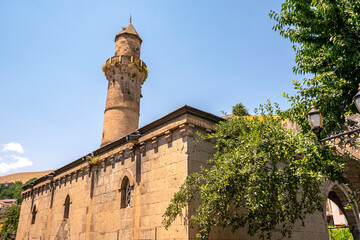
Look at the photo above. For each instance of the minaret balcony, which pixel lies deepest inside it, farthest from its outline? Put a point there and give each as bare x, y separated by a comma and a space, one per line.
124, 59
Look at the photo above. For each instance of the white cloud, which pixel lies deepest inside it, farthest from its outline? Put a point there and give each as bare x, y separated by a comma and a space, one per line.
13, 147
14, 162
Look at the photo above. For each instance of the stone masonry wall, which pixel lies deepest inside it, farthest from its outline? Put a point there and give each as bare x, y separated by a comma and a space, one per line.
127, 44
156, 166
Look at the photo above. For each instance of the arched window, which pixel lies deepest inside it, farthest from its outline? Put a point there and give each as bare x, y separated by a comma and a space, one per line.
67, 207
125, 190
33, 218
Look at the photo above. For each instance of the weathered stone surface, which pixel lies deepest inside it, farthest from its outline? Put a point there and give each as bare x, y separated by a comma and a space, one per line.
125, 76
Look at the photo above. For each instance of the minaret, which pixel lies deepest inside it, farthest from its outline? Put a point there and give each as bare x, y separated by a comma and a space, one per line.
126, 73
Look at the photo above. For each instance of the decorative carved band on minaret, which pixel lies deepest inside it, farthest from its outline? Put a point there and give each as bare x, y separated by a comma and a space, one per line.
126, 73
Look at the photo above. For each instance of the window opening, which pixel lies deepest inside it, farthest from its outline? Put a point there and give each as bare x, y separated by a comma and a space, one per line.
125, 190
33, 218
67, 207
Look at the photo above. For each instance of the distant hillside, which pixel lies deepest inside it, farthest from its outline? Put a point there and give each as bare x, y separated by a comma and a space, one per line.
23, 177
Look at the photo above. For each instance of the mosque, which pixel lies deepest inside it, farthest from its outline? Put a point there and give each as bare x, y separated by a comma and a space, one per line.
121, 190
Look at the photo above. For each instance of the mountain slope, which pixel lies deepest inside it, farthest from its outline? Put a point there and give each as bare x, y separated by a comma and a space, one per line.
23, 177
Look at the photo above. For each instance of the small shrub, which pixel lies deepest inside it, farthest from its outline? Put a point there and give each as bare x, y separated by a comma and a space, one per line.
104, 67
144, 70
339, 233
93, 160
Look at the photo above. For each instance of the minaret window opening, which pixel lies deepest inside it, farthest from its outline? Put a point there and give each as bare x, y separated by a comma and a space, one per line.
67, 206
33, 218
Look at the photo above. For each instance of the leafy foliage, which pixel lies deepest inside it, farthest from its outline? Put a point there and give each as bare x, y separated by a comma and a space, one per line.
240, 110
339, 234
142, 69
93, 160
261, 176
326, 38
30, 180
11, 192
11, 220
104, 67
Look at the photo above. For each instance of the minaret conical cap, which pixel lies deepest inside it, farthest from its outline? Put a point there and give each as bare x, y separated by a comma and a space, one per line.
129, 29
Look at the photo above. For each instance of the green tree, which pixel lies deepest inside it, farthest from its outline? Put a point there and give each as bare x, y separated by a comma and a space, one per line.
256, 176
240, 110
11, 192
326, 39
262, 175
11, 220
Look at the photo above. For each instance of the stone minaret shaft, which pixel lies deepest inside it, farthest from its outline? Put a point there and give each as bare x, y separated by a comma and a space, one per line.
126, 73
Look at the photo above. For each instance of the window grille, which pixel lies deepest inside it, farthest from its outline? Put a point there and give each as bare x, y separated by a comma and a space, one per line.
128, 194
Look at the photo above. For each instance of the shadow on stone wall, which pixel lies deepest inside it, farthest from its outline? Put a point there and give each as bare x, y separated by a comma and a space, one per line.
64, 231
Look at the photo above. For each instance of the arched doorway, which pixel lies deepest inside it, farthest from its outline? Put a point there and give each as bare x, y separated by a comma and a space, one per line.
339, 194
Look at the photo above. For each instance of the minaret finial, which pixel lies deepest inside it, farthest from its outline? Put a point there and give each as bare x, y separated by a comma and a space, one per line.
130, 18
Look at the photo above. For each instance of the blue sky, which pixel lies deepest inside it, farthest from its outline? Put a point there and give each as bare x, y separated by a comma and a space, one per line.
206, 54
